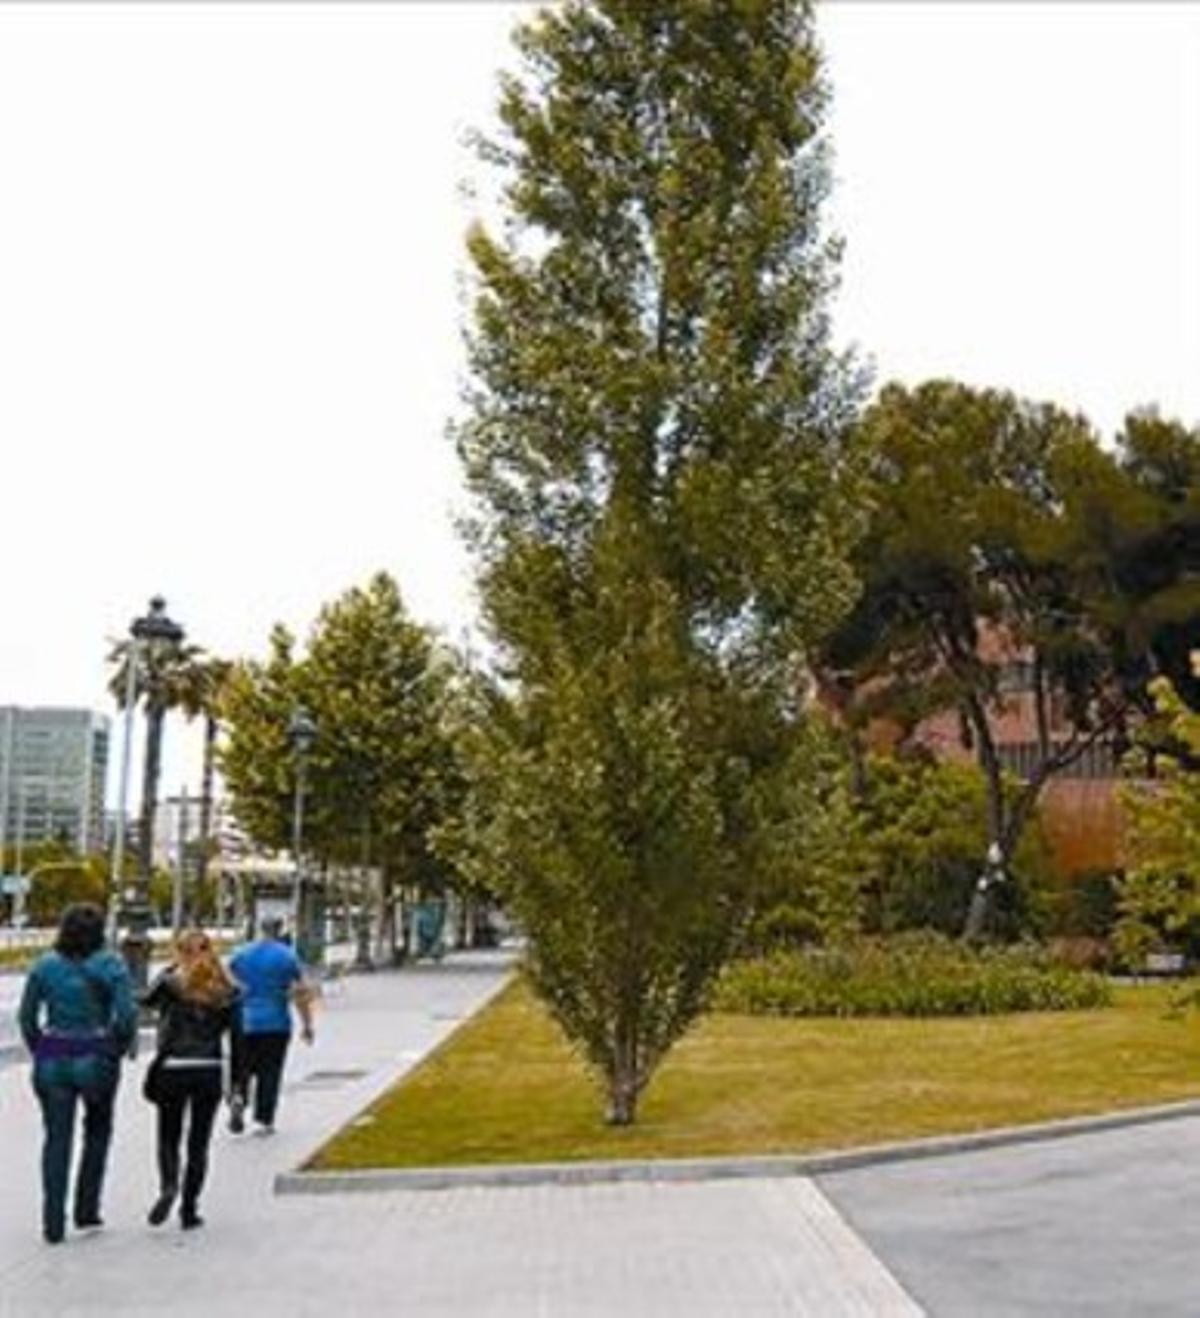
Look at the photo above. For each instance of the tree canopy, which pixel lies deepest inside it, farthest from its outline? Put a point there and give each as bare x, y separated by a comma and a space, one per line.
380, 773
656, 440
1005, 536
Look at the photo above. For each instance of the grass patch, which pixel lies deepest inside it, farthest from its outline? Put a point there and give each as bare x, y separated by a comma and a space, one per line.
507, 1088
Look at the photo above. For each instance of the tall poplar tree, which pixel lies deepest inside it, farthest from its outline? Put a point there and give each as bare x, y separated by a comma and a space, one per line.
656, 444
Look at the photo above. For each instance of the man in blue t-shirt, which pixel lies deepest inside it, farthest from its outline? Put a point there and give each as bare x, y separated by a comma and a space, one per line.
272, 982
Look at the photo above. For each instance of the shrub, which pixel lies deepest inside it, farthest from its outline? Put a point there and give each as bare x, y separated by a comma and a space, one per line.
1084, 905
912, 975
922, 843
1080, 952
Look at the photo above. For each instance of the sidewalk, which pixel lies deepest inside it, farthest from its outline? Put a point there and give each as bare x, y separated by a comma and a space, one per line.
715, 1248
373, 1029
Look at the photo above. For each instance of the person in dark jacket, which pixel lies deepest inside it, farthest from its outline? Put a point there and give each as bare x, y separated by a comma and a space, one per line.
197, 1006
77, 1018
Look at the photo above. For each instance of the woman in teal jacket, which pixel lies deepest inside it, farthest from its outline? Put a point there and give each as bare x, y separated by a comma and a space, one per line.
77, 1018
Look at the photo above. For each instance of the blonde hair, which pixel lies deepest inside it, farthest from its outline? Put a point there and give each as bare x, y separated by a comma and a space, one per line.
202, 977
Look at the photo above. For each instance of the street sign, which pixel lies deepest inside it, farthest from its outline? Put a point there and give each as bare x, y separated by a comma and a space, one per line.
13, 885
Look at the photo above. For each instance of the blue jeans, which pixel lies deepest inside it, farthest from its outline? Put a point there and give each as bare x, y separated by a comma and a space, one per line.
61, 1085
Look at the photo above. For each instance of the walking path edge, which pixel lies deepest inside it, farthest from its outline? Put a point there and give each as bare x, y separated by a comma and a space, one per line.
708, 1169
379, 1085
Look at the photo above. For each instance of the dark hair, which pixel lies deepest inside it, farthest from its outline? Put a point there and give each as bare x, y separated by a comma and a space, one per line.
80, 931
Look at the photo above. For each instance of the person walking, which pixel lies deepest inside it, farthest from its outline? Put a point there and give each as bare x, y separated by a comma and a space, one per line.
197, 1006
272, 982
77, 1018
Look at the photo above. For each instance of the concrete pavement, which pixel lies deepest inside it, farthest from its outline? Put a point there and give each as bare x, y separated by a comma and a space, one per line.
1101, 1224
372, 1029
753, 1247
1106, 1225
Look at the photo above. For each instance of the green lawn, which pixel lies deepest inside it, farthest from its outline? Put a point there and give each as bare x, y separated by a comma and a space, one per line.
506, 1088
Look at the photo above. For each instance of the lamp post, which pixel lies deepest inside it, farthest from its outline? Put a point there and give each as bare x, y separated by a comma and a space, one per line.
302, 732
147, 634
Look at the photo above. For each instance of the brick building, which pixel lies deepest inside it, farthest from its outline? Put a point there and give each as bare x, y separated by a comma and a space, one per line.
1078, 807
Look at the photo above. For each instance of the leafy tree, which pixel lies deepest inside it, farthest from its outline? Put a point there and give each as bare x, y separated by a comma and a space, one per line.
920, 834
57, 883
1158, 898
1002, 531
1152, 538
657, 445
381, 770
258, 699
814, 865
382, 759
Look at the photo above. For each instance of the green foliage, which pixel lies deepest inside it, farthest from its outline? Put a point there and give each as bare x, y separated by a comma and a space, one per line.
1159, 896
1153, 535
165, 678
664, 489
812, 858
381, 773
59, 883
915, 975
923, 833
1002, 529
903, 852
1084, 905
254, 756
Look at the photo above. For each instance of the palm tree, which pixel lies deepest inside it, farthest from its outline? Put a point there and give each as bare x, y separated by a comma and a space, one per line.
202, 686
160, 683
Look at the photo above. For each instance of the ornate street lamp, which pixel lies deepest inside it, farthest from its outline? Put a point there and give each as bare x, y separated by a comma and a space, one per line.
149, 636
302, 732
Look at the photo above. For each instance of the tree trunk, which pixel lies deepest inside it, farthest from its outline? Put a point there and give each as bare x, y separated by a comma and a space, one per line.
150, 773
989, 764
389, 953
206, 799
623, 1080
976, 912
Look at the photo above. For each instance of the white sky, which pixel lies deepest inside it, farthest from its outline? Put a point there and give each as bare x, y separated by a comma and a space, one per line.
230, 238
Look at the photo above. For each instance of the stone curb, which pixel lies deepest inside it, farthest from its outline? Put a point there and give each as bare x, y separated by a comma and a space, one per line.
710, 1169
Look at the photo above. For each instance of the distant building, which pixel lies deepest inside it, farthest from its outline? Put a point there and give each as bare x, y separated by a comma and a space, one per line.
53, 767
176, 827
1079, 806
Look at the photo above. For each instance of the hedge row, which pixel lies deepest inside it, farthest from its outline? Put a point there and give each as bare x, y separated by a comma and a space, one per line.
922, 975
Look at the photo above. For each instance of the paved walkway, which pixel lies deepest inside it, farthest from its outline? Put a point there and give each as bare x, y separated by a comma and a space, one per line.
1104, 1225
720, 1248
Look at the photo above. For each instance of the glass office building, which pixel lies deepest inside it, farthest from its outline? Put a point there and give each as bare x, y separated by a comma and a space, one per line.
53, 767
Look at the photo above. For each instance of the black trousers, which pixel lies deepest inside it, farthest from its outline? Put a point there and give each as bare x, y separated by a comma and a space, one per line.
259, 1058
193, 1093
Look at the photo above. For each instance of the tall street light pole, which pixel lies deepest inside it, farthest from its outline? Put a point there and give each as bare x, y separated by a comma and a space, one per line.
302, 732
149, 634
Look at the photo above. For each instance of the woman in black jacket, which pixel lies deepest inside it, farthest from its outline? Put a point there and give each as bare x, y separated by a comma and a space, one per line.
197, 1007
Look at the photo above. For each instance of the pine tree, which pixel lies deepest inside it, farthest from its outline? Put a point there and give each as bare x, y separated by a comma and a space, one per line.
656, 444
